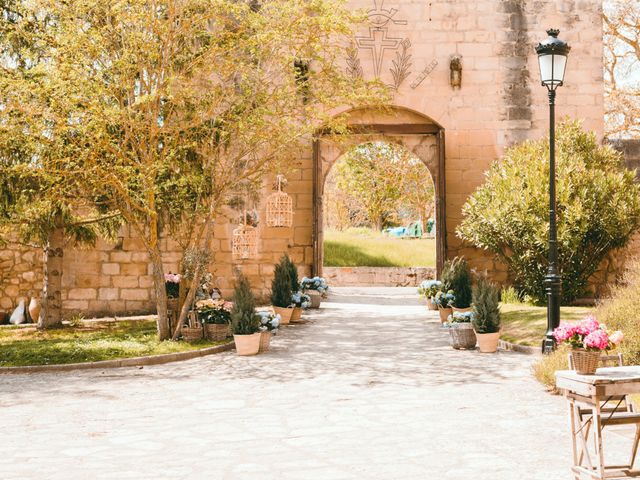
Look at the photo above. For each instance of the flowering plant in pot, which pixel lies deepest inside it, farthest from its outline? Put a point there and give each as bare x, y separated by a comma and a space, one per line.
456, 276
172, 284
428, 289
461, 330
215, 316
281, 291
299, 301
587, 339
486, 315
269, 323
444, 300
316, 288
244, 322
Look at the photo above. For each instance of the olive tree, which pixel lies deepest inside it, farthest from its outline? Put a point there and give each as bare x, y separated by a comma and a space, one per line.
598, 209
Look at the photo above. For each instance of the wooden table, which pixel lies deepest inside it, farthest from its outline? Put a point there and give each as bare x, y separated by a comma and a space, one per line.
599, 393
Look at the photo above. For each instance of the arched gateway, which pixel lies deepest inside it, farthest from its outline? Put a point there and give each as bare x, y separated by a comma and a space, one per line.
465, 67
415, 132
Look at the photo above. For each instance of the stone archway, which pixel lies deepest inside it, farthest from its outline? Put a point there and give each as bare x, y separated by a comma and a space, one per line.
417, 133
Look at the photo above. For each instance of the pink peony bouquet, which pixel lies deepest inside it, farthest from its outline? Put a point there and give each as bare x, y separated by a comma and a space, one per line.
588, 334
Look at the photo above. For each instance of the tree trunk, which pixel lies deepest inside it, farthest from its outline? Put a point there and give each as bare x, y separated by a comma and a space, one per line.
51, 311
161, 294
184, 309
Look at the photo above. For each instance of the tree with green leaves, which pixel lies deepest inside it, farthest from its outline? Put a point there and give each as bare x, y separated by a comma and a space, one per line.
598, 210
41, 205
384, 179
178, 106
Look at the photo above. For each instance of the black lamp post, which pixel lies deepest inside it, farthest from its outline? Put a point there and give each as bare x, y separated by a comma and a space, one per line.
552, 57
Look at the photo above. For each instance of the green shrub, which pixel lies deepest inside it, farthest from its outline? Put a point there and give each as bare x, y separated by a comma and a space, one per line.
486, 306
510, 295
293, 272
598, 209
243, 318
456, 276
281, 285
545, 369
620, 312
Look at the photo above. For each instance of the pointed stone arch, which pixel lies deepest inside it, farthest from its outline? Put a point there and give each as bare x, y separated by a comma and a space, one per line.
418, 133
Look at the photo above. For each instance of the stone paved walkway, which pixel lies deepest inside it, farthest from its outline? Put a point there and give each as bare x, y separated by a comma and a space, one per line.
368, 389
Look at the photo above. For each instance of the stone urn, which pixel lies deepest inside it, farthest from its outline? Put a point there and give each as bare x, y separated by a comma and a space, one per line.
316, 298
34, 309
265, 341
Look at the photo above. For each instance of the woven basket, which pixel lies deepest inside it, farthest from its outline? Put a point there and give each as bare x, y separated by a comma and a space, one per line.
265, 341
216, 332
585, 362
462, 336
191, 335
431, 305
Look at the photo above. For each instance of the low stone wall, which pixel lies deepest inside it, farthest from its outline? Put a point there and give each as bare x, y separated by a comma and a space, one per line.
377, 276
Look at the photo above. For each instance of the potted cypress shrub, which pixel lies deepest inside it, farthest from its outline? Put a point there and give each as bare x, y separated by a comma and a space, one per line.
486, 315
244, 322
295, 288
281, 292
456, 276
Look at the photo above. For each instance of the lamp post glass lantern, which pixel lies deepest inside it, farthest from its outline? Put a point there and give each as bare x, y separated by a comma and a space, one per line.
552, 58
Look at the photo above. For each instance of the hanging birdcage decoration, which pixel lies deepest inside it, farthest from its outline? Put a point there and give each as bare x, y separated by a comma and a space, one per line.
244, 243
279, 207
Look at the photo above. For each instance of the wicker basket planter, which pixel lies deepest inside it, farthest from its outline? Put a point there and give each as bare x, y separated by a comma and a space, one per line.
285, 314
296, 314
191, 334
462, 336
585, 362
444, 314
247, 344
216, 332
316, 298
265, 341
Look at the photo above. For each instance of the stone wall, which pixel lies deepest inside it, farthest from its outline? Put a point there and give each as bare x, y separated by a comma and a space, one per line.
378, 276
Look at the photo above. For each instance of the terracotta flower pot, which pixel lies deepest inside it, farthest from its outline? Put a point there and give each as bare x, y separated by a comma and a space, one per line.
216, 332
296, 314
431, 305
462, 310
488, 342
247, 344
265, 341
34, 309
285, 314
444, 314
316, 298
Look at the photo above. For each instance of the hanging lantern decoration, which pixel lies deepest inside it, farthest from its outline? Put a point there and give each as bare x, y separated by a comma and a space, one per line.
244, 244
279, 207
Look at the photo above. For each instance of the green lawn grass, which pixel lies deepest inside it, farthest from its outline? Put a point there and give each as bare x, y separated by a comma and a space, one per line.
366, 248
526, 325
87, 342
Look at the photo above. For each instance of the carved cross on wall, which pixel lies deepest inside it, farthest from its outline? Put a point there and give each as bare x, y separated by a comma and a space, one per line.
378, 43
